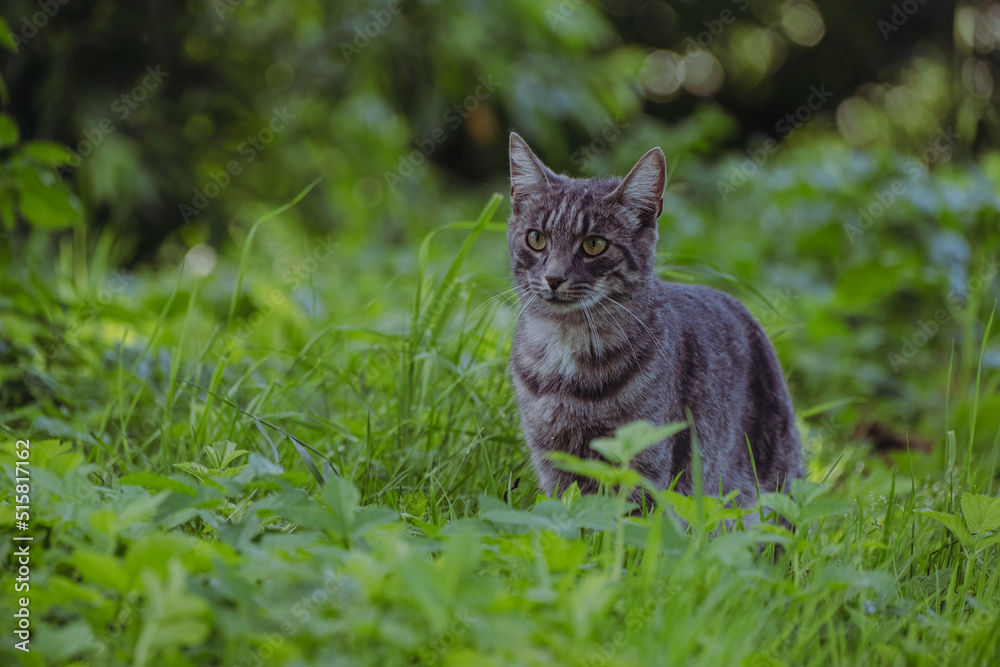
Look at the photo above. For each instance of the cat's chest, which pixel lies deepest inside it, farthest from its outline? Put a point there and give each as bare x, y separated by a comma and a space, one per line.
552, 350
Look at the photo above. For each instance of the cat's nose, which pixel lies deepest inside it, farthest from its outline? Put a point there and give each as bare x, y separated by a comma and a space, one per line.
554, 282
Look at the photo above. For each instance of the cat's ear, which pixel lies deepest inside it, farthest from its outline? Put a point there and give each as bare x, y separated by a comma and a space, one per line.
642, 189
528, 176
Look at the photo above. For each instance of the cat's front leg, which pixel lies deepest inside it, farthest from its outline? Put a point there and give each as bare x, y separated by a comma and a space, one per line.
554, 481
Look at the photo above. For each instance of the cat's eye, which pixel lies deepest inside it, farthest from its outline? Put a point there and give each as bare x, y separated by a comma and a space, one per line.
536, 240
595, 245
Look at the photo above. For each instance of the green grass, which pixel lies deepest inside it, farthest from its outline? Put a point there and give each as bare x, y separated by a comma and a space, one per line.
341, 480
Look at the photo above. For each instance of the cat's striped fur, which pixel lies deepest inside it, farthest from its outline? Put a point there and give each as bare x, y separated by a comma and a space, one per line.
601, 342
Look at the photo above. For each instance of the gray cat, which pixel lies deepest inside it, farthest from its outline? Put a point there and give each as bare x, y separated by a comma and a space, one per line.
601, 342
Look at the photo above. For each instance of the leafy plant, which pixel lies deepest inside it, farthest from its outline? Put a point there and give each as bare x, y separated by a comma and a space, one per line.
219, 455
978, 527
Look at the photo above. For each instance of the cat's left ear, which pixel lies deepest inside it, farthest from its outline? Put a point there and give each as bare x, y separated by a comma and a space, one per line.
642, 189
528, 176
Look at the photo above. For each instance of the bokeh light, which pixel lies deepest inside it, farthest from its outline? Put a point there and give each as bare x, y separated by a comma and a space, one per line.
662, 75
802, 22
756, 52
200, 260
703, 75
857, 121
977, 78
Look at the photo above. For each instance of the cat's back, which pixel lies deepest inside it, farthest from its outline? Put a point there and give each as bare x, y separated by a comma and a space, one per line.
723, 366
708, 314
716, 353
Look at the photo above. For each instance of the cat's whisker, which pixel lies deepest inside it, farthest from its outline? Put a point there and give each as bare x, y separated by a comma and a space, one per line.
594, 339
524, 306
614, 321
505, 303
486, 303
641, 323
597, 338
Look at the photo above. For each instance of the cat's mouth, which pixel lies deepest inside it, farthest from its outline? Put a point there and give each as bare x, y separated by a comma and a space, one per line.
564, 302
561, 303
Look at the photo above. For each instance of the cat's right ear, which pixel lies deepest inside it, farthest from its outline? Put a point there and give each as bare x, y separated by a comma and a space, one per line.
528, 176
642, 189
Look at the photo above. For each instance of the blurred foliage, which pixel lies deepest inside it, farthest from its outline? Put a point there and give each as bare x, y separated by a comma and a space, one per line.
834, 166
190, 362
403, 106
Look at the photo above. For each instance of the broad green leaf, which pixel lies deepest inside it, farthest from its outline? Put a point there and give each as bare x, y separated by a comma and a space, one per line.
341, 495
512, 517
370, 518
424, 587
8, 131
954, 524
459, 559
982, 513
822, 508
571, 494
174, 618
988, 541
783, 505
65, 641
49, 153
592, 511
604, 473
716, 510
47, 206
6, 37
630, 440
154, 551
805, 491
156, 482
414, 504
56, 456
101, 569
863, 285
105, 523
202, 473
7, 209
342, 498
684, 506
222, 453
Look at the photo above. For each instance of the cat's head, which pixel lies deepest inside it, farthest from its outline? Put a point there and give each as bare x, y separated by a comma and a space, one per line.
573, 242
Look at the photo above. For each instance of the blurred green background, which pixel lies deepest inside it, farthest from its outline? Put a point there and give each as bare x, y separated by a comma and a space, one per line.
833, 164
253, 321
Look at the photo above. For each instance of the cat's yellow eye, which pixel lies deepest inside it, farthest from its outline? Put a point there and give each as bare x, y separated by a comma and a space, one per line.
595, 245
536, 240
